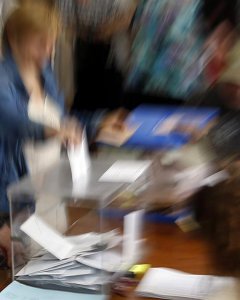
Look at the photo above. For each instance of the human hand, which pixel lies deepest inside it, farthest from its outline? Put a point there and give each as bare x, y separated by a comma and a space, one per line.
113, 129
70, 132
114, 120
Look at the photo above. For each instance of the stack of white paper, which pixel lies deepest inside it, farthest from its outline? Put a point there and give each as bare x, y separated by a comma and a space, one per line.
86, 261
171, 284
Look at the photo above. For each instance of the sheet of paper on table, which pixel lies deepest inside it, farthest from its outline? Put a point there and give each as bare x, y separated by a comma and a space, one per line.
125, 171
172, 284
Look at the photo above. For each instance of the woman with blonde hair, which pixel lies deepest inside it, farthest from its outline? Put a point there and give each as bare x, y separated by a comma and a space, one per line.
31, 106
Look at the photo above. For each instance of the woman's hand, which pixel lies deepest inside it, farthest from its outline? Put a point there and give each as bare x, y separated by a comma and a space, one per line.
113, 129
70, 132
114, 120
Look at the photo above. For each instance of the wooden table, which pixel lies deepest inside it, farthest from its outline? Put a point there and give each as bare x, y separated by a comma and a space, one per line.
166, 246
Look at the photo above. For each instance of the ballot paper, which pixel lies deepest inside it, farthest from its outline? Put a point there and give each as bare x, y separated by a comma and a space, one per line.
80, 162
88, 265
125, 171
65, 247
35, 266
172, 284
18, 291
109, 261
47, 237
133, 224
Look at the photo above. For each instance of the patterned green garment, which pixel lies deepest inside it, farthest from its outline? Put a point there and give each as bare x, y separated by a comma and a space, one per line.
167, 50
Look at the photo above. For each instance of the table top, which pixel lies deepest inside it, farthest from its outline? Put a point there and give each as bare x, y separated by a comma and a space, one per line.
166, 246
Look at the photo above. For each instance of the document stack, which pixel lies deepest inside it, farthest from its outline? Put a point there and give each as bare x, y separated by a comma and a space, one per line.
85, 261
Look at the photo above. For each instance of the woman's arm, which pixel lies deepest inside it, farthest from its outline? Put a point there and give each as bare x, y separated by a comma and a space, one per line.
14, 124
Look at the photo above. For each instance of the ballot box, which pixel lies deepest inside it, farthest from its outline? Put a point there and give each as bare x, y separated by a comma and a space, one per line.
62, 237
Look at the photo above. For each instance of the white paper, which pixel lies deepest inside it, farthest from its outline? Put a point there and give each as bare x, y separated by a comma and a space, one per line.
35, 266
88, 280
80, 162
172, 284
125, 171
47, 237
65, 247
64, 273
109, 261
88, 241
132, 234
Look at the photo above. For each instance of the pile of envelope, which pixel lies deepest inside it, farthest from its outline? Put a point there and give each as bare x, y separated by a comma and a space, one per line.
86, 261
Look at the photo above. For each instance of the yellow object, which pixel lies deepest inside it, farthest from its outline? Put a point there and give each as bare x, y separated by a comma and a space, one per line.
140, 270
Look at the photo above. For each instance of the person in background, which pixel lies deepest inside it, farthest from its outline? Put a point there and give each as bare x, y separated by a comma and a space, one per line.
33, 122
166, 53
100, 29
222, 51
223, 69
31, 107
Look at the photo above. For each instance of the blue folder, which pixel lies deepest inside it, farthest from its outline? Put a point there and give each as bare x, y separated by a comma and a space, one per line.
149, 118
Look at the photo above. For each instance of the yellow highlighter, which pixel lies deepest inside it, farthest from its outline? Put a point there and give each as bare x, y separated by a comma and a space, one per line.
139, 270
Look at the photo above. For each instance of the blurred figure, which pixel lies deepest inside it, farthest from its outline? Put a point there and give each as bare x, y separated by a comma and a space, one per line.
222, 71
166, 52
101, 50
33, 124
222, 53
31, 107
217, 210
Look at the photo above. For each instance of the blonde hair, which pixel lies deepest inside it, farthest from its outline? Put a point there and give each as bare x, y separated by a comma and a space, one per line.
31, 17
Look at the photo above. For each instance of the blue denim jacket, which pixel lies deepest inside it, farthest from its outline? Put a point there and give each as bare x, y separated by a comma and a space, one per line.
16, 127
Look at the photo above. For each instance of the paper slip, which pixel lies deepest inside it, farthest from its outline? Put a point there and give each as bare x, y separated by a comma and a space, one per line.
133, 224
65, 247
92, 241
74, 266
18, 291
61, 273
88, 280
48, 238
125, 171
109, 261
171, 284
35, 266
38, 268
92, 238
80, 161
